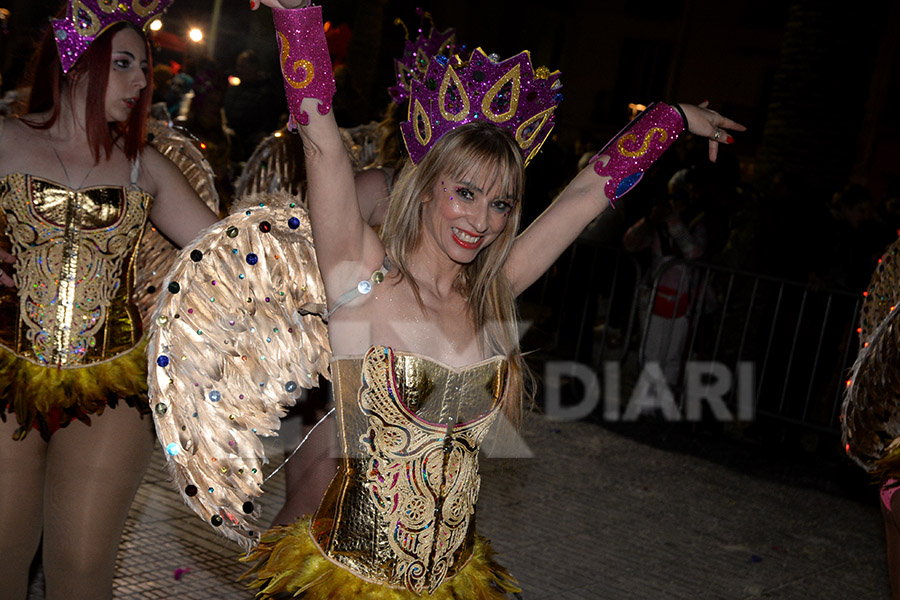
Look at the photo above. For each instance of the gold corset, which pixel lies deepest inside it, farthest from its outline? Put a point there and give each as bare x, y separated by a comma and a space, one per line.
75, 255
401, 510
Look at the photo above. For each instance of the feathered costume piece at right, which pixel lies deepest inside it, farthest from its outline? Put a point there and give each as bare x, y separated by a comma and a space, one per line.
870, 417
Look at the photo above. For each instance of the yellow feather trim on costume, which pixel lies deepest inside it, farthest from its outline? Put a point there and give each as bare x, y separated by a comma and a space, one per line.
288, 561
888, 465
39, 396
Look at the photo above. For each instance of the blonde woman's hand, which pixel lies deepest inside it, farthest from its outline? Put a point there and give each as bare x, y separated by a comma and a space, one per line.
710, 124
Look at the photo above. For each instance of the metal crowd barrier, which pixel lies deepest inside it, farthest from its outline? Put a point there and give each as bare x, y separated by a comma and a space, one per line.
591, 284
795, 342
799, 342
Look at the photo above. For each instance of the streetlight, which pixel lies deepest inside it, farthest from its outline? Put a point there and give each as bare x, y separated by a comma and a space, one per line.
196, 35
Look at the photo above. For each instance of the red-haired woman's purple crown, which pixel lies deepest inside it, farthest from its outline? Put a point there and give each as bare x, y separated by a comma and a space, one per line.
417, 56
510, 94
87, 19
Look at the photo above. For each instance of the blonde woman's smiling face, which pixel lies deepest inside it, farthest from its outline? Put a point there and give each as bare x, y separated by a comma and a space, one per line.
465, 215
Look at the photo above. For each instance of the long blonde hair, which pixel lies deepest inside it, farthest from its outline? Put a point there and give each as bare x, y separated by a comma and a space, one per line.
491, 302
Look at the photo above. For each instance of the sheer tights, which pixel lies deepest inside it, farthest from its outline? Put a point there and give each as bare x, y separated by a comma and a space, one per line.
77, 490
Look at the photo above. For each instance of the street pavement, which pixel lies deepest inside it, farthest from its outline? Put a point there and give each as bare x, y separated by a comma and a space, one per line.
646, 511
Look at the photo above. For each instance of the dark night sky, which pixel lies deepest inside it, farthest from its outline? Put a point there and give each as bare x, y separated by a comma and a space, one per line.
610, 52
600, 45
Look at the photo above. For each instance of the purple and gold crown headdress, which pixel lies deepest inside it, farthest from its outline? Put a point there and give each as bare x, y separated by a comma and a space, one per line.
510, 94
417, 56
85, 20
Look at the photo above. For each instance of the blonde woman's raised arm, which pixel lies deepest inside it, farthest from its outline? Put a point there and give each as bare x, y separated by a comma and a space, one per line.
346, 246
612, 172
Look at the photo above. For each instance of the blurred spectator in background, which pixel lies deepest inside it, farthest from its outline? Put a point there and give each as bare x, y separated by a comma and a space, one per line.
253, 107
889, 210
851, 240
180, 84
202, 115
347, 103
674, 229
4, 36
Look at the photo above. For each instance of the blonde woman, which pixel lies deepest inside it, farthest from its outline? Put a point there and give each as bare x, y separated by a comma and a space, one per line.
422, 319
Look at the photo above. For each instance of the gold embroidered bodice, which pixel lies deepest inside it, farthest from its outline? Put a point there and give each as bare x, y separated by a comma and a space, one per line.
401, 510
75, 252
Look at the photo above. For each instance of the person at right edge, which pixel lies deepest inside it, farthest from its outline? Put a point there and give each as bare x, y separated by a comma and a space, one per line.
422, 319
870, 419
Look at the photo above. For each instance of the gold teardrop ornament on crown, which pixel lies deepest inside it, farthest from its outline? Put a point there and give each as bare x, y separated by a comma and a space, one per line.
526, 142
420, 116
514, 76
444, 50
142, 10
94, 22
108, 6
404, 74
420, 62
450, 76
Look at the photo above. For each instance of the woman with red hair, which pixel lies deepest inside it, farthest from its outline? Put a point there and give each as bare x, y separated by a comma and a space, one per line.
77, 184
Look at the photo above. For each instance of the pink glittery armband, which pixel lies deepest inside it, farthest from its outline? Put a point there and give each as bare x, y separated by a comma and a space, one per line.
637, 147
305, 62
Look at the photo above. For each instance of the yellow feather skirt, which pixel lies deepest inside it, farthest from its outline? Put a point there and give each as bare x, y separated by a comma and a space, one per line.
47, 399
290, 564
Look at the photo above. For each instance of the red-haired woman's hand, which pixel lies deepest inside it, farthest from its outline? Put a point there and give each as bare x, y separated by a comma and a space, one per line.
5, 279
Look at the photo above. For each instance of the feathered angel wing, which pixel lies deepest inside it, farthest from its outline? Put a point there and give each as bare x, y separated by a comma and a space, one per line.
237, 337
277, 163
870, 415
156, 253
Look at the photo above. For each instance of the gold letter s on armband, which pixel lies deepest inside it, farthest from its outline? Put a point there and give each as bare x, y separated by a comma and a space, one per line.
648, 137
298, 64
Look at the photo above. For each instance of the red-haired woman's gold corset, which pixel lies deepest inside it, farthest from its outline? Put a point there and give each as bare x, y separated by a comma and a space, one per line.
401, 510
75, 254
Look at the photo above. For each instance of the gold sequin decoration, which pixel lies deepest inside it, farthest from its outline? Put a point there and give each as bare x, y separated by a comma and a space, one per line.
631, 139
537, 122
422, 476
143, 10
288, 71
451, 78
85, 28
513, 76
74, 274
422, 65
421, 124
